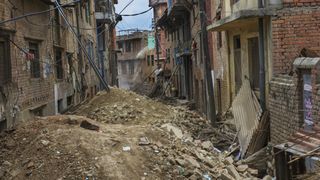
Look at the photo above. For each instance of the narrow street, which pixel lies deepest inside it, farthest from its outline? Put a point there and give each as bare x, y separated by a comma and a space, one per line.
135, 138
159, 89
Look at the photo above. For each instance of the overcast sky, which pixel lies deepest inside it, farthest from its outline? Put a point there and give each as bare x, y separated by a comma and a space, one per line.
141, 21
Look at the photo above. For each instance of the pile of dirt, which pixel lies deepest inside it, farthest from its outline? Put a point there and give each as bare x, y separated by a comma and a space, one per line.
41, 149
124, 107
121, 135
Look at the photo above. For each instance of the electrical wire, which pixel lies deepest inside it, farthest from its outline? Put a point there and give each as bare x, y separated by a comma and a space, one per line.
96, 70
37, 13
137, 14
126, 6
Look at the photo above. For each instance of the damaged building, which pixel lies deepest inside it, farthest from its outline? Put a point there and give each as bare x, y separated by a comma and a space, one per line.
45, 70
133, 45
267, 47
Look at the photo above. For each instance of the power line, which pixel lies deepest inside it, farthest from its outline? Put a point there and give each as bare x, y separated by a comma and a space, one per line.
37, 13
137, 14
104, 83
126, 6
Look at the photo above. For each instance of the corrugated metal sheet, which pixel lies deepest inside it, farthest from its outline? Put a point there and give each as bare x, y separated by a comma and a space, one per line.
303, 141
247, 113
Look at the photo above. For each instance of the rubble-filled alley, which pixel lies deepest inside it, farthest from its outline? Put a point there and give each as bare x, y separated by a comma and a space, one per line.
160, 89
121, 135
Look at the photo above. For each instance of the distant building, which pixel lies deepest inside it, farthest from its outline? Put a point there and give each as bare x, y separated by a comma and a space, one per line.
133, 45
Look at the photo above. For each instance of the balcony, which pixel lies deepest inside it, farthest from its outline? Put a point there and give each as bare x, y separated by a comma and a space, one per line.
105, 12
176, 6
105, 17
156, 2
49, 2
244, 10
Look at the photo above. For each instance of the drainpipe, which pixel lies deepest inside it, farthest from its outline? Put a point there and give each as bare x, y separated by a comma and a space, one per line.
262, 79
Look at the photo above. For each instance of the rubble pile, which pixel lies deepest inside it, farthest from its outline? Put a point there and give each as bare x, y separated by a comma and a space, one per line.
221, 136
119, 113
122, 135
186, 157
33, 152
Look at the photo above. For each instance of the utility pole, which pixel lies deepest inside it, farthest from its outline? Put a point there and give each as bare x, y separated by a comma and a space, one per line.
207, 65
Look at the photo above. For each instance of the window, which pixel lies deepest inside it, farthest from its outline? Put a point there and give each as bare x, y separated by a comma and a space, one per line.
38, 111
60, 106
56, 27
254, 64
168, 56
148, 60
128, 46
120, 45
237, 62
90, 50
131, 67
70, 63
88, 13
5, 65
35, 62
124, 68
69, 100
58, 64
219, 39
152, 60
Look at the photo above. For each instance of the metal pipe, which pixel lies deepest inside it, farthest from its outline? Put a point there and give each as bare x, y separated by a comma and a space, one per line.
262, 77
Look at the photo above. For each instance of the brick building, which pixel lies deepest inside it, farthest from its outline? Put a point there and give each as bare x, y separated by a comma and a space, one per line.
46, 71
291, 55
133, 45
295, 34
106, 38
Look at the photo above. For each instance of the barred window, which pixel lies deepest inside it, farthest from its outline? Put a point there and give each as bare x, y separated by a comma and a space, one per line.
5, 65
35, 61
58, 64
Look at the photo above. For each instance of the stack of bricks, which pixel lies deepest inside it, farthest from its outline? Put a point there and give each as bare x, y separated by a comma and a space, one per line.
296, 26
284, 104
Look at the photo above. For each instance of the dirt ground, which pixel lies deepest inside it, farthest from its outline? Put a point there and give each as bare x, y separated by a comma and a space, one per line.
138, 138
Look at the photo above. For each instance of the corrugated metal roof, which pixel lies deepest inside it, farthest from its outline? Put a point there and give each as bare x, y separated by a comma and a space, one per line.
247, 113
303, 141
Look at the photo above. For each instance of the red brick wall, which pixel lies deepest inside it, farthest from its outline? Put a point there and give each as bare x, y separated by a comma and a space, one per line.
295, 27
300, 3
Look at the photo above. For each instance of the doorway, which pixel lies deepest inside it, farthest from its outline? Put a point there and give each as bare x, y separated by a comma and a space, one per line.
254, 64
237, 62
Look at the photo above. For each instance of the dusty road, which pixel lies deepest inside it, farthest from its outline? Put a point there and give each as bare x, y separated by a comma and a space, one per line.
138, 138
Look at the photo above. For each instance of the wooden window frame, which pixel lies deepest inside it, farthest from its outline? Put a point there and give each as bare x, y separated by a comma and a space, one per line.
35, 64
7, 55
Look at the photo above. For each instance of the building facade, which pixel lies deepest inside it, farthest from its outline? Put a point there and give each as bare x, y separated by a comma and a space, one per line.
133, 45
45, 70
106, 37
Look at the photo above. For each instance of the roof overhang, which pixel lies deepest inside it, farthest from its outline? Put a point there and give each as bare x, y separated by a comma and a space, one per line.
303, 142
240, 17
49, 2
